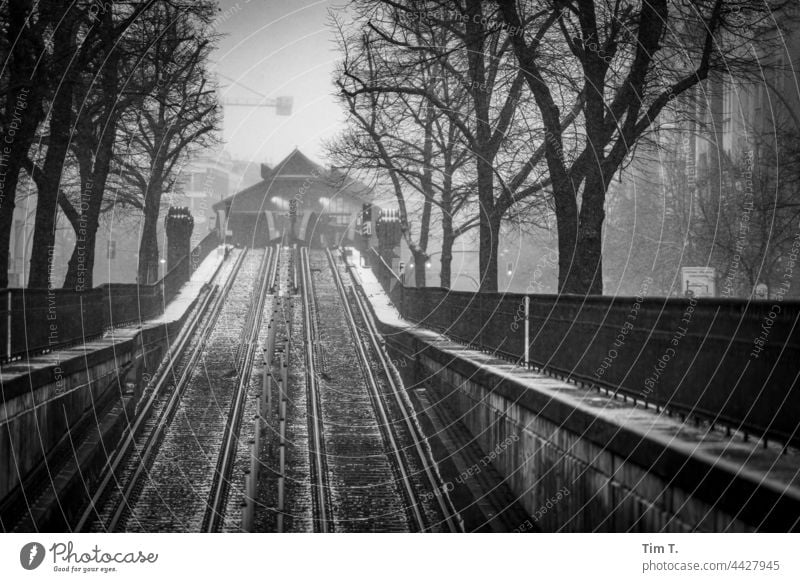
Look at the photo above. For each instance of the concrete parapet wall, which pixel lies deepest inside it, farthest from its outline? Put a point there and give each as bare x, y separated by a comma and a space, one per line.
575, 470
46, 399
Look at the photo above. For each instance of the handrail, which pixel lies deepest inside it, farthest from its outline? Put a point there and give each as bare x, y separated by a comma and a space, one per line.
35, 321
730, 362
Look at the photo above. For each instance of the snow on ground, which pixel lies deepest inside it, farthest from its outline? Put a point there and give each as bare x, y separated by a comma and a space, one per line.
191, 289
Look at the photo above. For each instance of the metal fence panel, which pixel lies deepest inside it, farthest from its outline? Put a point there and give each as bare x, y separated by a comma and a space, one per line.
727, 361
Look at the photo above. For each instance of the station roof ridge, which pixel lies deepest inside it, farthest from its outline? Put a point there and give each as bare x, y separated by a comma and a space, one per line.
297, 167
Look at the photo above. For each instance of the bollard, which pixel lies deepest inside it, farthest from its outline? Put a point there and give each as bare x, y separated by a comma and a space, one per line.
246, 521
527, 339
254, 464
270, 349
268, 388
281, 393
250, 489
264, 399
285, 366
8, 324
280, 503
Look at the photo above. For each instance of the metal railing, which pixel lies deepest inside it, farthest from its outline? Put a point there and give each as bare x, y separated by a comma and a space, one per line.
726, 361
37, 321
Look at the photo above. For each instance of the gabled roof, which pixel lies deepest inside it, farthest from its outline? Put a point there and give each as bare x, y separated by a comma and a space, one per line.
297, 167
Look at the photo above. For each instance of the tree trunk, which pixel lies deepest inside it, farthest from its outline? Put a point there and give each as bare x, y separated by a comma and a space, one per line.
94, 174
420, 262
148, 252
447, 246
590, 233
23, 114
589, 264
49, 181
485, 151
488, 228
567, 228
12, 162
80, 270
148, 247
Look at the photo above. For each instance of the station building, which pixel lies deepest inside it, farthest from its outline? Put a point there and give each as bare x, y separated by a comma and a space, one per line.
298, 201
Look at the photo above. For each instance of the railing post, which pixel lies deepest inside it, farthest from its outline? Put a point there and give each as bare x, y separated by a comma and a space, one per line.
247, 507
266, 393
403, 313
281, 462
268, 350
285, 367
527, 329
8, 324
280, 503
481, 322
246, 520
252, 477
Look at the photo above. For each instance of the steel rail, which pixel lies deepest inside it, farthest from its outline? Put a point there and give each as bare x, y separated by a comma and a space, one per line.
322, 524
215, 508
445, 504
379, 404
198, 327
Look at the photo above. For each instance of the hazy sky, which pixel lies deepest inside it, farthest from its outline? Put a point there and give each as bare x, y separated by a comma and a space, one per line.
277, 47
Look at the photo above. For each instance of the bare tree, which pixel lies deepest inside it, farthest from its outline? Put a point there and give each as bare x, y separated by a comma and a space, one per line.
630, 60
80, 32
73, 40
408, 141
102, 99
179, 114
23, 90
474, 51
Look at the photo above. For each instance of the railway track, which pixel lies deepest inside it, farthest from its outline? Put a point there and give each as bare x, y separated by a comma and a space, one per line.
122, 474
315, 430
185, 390
367, 463
215, 509
362, 493
403, 437
395, 405
362, 478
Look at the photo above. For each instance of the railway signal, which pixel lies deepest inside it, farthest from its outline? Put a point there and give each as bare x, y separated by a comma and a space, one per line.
366, 220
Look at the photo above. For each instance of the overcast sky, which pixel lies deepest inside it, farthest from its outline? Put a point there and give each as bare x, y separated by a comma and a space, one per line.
277, 47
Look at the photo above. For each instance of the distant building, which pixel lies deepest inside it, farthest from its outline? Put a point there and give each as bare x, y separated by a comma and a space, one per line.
203, 182
298, 199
